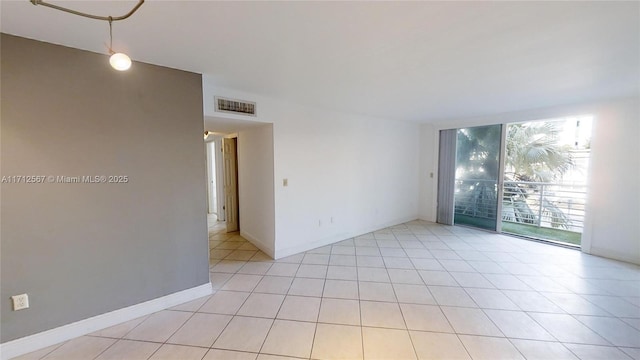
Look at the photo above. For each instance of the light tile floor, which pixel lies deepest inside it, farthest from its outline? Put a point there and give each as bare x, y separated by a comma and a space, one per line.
413, 291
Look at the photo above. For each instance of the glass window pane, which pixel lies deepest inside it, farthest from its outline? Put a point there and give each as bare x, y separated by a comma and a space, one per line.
477, 172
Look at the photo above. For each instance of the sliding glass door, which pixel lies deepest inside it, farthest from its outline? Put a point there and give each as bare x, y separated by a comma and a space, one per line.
478, 176
527, 179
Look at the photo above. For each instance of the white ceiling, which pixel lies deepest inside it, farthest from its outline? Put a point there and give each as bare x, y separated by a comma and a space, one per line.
420, 61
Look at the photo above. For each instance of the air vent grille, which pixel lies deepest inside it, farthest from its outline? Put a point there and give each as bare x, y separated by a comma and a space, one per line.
235, 106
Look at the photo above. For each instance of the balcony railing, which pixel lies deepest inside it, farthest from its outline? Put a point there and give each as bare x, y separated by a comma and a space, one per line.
540, 204
558, 206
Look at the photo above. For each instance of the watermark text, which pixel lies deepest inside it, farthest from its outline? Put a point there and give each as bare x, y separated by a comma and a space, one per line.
64, 179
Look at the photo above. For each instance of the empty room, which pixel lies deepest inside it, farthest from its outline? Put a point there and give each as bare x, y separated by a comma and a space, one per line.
269, 180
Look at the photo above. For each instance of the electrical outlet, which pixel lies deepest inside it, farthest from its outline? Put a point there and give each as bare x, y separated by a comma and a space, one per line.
20, 302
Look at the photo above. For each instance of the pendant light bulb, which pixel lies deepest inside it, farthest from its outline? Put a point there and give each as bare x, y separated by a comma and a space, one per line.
120, 61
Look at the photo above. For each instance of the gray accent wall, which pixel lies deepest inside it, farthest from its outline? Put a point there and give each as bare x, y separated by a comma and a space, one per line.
84, 249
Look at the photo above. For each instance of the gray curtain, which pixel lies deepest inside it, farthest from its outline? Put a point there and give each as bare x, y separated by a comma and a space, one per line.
446, 176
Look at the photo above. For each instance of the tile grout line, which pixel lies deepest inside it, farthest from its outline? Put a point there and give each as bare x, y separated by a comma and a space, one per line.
315, 330
52, 350
107, 348
233, 316
360, 304
415, 352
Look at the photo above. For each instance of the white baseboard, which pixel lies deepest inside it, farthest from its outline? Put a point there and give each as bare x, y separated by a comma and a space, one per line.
257, 243
384, 225
46, 338
292, 250
615, 255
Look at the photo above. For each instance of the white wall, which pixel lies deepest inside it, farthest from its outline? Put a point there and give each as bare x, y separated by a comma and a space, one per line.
614, 195
612, 225
347, 175
358, 171
428, 178
255, 186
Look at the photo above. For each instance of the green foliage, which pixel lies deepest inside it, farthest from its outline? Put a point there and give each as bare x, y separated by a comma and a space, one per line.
534, 154
478, 151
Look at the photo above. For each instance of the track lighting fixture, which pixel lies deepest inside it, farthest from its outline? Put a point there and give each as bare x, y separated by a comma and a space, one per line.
118, 61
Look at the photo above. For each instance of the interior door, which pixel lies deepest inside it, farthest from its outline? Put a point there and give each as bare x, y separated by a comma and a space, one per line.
211, 177
219, 172
478, 177
231, 184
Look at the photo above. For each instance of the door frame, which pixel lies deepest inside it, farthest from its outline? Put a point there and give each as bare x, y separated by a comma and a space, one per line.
501, 167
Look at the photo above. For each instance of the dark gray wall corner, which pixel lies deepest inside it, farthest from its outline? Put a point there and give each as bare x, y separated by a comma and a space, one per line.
84, 249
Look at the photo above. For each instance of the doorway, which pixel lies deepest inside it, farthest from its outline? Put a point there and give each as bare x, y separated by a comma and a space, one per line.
252, 183
222, 180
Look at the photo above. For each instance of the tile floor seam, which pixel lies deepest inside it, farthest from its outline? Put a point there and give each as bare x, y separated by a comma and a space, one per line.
169, 337
214, 340
107, 348
229, 322
133, 328
315, 331
464, 346
404, 321
572, 351
550, 333
155, 351
52, 350
360, 309
589, 327
274, 321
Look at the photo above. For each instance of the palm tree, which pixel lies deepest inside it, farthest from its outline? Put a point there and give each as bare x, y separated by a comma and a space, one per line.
534, 155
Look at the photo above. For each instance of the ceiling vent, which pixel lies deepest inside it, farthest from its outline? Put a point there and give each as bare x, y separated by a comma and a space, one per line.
240, 107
